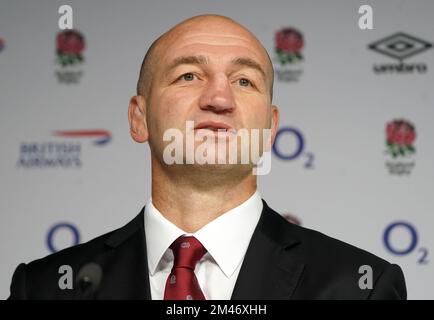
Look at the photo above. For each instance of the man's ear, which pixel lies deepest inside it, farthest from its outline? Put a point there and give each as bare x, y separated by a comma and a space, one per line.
275, 118
137, 119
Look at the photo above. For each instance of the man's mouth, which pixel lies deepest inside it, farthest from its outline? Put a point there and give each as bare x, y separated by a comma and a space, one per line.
216, 127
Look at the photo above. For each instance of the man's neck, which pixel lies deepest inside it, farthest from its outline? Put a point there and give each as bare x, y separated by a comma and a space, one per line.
192, 201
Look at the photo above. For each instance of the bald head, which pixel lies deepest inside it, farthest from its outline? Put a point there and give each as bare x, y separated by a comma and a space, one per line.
198, 24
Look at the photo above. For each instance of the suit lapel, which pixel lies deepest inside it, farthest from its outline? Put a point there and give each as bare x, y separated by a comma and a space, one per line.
269, 271
124, 264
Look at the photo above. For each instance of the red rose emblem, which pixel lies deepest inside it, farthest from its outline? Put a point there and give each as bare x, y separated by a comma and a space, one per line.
400, 132
400, 138
289, 40
70, 42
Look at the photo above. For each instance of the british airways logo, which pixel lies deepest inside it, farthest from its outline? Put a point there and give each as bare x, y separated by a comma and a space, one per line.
101, 137
60, 153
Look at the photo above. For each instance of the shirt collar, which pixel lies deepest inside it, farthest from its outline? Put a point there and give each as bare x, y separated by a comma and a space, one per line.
226, 238
160, 233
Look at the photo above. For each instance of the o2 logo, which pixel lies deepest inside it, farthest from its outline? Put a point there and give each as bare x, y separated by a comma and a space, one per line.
63, 227
412, 245
293, 152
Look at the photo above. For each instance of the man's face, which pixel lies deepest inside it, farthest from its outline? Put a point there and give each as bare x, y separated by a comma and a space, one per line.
216, 77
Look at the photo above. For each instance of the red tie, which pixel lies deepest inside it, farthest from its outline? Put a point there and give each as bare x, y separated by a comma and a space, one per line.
182, 282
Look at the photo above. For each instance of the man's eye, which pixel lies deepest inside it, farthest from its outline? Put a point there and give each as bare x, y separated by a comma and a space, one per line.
244, 82
187, 77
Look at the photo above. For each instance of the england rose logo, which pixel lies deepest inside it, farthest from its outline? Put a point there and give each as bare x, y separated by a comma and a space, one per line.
70, 46
400, 138
289, 43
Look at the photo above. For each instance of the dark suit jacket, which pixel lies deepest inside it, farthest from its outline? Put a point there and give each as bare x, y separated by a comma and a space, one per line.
283, 261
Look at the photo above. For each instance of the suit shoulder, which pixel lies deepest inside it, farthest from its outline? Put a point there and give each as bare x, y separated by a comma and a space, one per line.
317, 246
336, 268
39, 278
86, 252
75, 255
338, 251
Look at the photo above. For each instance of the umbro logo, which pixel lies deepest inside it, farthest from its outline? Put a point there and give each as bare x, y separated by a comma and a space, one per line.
400, 46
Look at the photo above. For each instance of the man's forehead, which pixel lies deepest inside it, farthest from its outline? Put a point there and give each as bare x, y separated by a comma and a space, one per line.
214, 47
217, 38
230, 40
212, 53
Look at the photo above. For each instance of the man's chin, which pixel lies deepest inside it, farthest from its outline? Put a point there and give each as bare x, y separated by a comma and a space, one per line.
217, 168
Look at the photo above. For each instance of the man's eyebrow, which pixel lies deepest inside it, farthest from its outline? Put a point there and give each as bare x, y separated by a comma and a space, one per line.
240, 61
250, 63
187, 60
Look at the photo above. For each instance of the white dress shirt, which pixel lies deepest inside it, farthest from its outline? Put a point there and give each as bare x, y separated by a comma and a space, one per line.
226, 238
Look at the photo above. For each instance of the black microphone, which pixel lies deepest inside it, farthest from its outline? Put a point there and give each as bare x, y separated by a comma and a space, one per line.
88, 280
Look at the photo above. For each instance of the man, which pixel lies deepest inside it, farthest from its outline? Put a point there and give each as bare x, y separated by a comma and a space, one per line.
206, 233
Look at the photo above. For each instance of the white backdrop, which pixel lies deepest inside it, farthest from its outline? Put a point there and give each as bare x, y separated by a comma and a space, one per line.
60, 189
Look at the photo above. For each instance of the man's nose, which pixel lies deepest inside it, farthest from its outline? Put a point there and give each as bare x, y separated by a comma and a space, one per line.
217, 96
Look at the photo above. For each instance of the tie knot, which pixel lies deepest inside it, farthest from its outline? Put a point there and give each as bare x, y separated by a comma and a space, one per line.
187, 251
